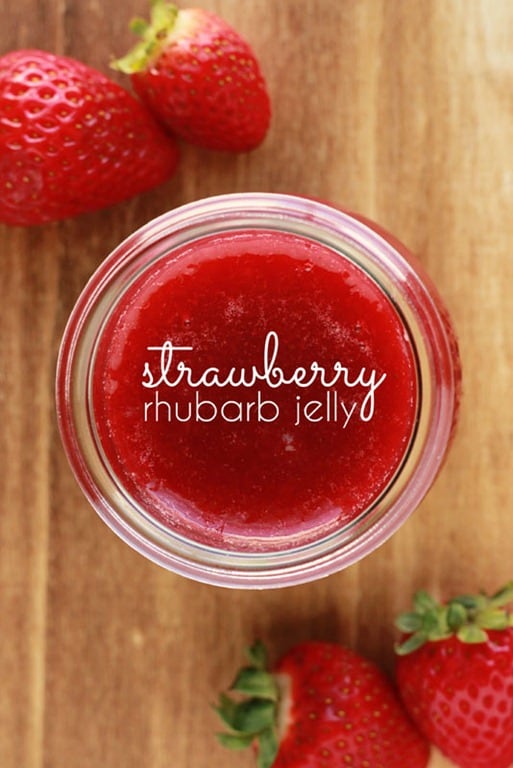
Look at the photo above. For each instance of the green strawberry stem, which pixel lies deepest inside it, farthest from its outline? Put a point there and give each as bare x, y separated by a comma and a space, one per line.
468, 617
153, 36
252, 719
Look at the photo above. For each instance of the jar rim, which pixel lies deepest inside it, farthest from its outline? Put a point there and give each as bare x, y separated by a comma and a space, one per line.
437, 382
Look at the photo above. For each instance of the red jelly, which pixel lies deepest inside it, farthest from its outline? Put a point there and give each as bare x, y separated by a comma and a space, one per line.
257, 390
255, 385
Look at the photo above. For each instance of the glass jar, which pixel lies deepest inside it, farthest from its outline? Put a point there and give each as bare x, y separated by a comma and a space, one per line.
118, 389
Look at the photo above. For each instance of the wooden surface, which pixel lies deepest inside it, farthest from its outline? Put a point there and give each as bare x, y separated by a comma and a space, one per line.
400, 110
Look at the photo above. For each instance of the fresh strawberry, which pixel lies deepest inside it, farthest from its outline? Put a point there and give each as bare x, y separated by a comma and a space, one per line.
322, 706
455, 676
71, 140
199, 77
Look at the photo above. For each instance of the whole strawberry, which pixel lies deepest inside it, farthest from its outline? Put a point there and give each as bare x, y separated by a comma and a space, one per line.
199, 77
71, 140
455, 676
322, 706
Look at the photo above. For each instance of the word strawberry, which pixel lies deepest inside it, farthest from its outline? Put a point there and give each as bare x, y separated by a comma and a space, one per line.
199, 77
455, 676
71, 140
322, 706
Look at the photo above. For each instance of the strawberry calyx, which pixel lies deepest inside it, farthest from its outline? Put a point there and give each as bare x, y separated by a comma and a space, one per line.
467, 617
252, 715
154, 36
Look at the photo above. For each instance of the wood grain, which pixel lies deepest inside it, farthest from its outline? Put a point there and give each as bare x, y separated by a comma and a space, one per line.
402, 111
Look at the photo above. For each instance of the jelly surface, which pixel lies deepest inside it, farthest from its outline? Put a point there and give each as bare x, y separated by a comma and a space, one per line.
252, 387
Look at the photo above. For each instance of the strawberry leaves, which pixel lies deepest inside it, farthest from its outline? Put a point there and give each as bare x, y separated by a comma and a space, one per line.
153, 35
468, 617
252, 719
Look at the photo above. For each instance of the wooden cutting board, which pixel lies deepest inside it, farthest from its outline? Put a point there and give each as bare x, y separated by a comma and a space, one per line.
402, 111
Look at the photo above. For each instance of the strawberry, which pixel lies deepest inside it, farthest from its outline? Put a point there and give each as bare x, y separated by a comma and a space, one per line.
71, 140
199, 77
455, 676
322, 706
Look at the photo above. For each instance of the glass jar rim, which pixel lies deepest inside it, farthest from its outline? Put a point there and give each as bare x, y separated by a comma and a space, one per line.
410, 292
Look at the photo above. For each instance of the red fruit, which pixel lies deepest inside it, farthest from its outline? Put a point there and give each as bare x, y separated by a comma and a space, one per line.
455, 676
199, 77
71, 140
323, 706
